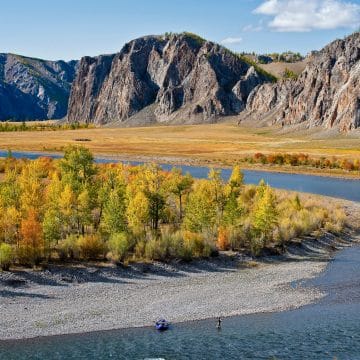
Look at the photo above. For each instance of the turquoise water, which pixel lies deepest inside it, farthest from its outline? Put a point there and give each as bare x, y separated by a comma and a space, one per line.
325, 330
335, 187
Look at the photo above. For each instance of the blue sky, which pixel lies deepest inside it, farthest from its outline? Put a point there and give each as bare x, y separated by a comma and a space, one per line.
69, 29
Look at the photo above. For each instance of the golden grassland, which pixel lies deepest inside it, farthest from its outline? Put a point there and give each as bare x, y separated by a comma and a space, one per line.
222, 143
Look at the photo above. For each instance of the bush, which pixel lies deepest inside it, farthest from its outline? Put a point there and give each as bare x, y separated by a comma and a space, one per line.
68, 248
195, 245
119, 246
155, 250
256, 245
140, 249
6, 256
91, 246
223, 242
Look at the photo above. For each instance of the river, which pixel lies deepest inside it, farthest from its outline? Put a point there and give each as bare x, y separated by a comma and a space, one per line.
327, 330
335, 187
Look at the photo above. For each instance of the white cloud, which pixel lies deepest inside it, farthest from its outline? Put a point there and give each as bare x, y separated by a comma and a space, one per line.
231, 41
307, 15
252, 28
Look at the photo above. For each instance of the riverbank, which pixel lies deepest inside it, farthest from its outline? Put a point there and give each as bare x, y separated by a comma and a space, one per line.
78, 298
177, 161
83, 299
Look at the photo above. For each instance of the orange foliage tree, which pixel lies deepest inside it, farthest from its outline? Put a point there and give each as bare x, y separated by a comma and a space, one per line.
31, 244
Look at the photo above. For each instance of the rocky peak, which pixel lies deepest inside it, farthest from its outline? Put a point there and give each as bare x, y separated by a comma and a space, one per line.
327, 92
182, 76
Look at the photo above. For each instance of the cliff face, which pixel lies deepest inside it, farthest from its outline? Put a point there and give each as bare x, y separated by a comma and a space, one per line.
33, 88
326, 94
183, 78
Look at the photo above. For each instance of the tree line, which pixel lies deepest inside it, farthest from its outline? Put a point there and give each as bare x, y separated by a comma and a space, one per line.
76, 210
301, 159
40, 126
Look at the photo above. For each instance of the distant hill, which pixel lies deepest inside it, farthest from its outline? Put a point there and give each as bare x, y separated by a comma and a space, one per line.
34, 89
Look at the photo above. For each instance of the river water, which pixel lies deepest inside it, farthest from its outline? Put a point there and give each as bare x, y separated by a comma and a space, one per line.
327, 330
335, 187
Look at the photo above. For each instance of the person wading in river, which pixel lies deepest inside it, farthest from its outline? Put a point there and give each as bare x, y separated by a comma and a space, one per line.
218, 326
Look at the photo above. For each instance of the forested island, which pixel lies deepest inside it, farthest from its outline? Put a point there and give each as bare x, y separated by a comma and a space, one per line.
74, 209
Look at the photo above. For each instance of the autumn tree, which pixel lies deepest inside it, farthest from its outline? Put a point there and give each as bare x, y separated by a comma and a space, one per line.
68, 206
53, 219
31, 243
217, 191
201, 212
265, 214
137, 211
31, 187
233, 209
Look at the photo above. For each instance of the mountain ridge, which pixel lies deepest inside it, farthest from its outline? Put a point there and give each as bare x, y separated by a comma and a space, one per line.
189, 79
34, 89
183, 78
326, 94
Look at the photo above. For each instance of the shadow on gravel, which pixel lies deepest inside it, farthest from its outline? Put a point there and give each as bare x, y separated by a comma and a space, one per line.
304, 249
73, 274
308, 248
12, 294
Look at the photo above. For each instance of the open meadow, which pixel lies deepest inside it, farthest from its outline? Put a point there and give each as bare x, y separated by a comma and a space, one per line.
222, 143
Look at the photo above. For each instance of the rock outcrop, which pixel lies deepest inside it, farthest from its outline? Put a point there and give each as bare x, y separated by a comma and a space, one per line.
179, 78
326, 94
34, 89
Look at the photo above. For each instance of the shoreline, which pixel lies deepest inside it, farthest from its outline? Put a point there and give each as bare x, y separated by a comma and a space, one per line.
78, 310
63, 300
196, 162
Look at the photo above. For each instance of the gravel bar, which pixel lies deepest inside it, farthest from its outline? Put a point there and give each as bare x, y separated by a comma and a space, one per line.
77, 299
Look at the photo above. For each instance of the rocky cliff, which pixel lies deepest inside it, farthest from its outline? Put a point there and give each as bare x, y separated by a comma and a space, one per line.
32, 89
327, 93
177, 78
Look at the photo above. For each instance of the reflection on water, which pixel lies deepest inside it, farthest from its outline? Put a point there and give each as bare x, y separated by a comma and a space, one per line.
325, 330
341, 188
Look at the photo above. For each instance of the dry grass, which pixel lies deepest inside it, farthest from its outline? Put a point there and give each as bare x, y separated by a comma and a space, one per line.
216, 143
278, 68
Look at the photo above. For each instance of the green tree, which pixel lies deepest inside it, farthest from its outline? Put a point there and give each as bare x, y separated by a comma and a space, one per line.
51, 224
83, 211
180, 186
265, 214
114, 212
77, 167
218, 195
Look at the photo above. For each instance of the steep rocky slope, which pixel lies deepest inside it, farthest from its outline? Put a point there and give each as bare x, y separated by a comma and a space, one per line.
326, 94
175, 78
34, 88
